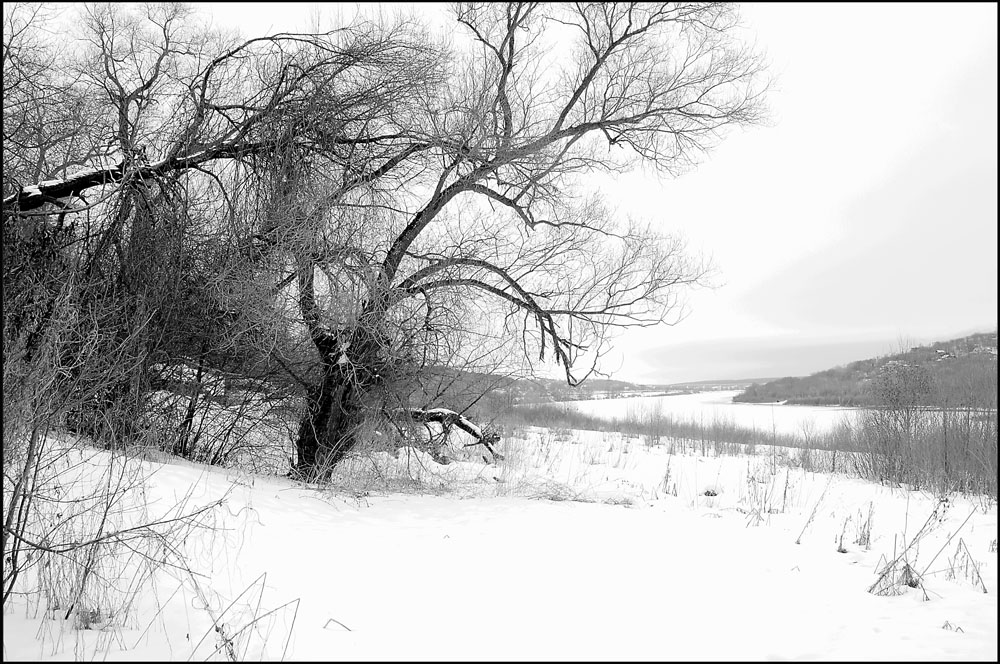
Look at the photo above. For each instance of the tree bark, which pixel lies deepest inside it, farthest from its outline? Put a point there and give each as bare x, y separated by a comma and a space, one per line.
326, 433
350, 361
314, 428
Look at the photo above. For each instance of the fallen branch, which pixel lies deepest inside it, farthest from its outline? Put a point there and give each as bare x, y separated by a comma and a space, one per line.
449, 418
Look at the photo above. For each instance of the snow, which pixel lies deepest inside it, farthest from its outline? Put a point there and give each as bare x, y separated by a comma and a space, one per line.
579, 545
474, 429
470, 426
706, 407
86, 172
441, 411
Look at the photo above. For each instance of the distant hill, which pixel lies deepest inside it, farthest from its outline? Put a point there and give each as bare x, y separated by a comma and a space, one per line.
542, 390
963, 372
720, 384
455, 387
530, 390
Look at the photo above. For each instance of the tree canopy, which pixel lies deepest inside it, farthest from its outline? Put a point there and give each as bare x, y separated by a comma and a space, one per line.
354, 208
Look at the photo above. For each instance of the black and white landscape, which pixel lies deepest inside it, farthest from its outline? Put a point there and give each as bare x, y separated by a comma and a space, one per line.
485, 331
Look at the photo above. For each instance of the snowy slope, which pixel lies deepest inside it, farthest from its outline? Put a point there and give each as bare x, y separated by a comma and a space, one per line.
625, 570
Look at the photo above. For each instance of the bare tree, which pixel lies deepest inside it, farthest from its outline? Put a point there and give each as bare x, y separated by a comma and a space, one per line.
164, 124
493, 209
389, 197
180, 124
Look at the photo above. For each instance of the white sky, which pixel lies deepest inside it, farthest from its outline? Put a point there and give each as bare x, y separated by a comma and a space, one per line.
864, 216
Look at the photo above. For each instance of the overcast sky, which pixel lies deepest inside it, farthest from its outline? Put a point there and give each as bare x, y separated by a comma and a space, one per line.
863, 217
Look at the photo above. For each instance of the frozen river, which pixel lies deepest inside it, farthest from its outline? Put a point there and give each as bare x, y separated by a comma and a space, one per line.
704, 407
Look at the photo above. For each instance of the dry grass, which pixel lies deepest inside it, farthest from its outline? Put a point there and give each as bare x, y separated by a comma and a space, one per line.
936, 450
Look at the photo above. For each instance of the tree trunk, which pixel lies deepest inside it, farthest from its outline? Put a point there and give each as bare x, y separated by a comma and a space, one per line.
326, 433
314, 426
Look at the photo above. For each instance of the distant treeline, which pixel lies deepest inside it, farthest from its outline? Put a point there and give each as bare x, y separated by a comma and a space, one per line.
960, 373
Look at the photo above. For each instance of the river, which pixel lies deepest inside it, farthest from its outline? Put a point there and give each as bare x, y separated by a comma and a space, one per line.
706, 407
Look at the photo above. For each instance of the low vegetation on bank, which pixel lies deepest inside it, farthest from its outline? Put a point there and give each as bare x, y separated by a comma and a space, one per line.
942, 451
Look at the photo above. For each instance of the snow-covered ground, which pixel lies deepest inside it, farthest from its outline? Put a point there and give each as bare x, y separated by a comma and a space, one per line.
706, 407
579, 545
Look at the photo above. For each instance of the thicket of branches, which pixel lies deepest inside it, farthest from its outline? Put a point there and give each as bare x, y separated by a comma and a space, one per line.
910, 437
330, 224
929, 415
